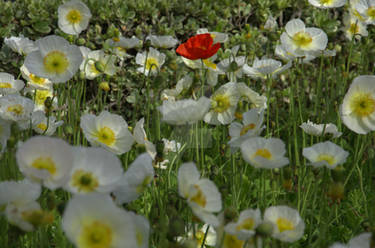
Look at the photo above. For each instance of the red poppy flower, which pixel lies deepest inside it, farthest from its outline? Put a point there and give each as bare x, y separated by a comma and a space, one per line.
198, 47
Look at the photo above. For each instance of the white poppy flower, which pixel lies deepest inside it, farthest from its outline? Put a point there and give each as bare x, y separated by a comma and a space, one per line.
366, 8
56, 59
358, 107
85, 53
19, 192
140, 137
244, 227
150, 61
200, 236
182, 84
252, 126
16, 108
45, 159
325, 153
223, 105
264, 153
21, 45
43, 124
122, 44
320, 129
34, 81
94, 170
93, 220
217, 36
142, 230
99, 58
136, 179
360, 241
9, 85
225, 65
327, 4
162, 41
288, 225
353, 27
107, 130
252, 97
299, 40
185, 111
73, 17
19, 215
201, 194
265, 67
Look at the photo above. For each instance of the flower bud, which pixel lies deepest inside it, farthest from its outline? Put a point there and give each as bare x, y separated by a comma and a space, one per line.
336, 191
265, 229
104, 86
81, 41
99, 66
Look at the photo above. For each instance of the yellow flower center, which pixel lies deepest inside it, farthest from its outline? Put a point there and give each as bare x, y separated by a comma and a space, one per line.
85, 181
37, 80
41, 96
265, 153
45, 163
95, 235
247, 224
55, 62
247, 128
140, 188
74, 16
220, 103
5, 85
354, 28
371, 12
231, 241
199, 236
16, 109
199, 198
121, 49
209, 64
302, 39
152, 64
42, 126
116, 39
139, 238
326, 2
106, 136
362, 104
326, 157
284, 224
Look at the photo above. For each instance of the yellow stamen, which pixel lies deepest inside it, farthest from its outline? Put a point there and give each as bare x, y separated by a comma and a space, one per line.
199, 198
220, 103
5, 85
106, 136
37, 80
284, 225
55, 62
302, 39
95, 235
152, 64
247, 128
74, 16
16, 109
247, 224
362, 104
265, 153
326, 157
45, 163
84, 181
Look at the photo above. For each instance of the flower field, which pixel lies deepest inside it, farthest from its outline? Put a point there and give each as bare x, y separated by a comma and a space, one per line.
187, 124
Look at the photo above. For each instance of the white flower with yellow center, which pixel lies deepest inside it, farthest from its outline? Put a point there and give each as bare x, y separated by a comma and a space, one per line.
201, 194
253, 98
358, 107
93, 221
264, 153
320, 129
121, 45
45, 159
34, 81
182, 84
20, 45
299, 40
56, 59
252, 126
162, 41
366, 8
85, 53
9, 85
40, 96
325, 153
136, 179
327, 4
288, 225
98, 62
43, 124
142, 230
16, 108
263, 68
140, 137
209, 236
223, 105
362, 240
354, 27
74, 17
244, 227
107, 130
182, 112
212, 69
150, 61
94, 170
